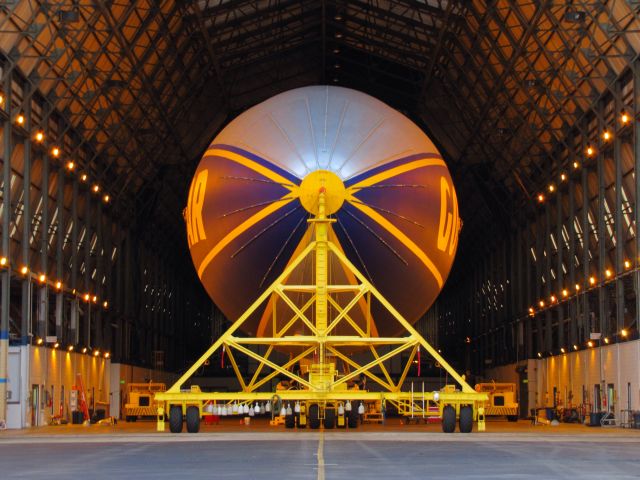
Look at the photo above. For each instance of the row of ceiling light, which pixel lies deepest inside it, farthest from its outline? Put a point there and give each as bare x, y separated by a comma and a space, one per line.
70, 166
624, 334
89, 351
566, 293
57, 284
590, 151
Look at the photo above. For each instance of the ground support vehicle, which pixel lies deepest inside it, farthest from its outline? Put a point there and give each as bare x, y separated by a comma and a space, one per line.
322, 393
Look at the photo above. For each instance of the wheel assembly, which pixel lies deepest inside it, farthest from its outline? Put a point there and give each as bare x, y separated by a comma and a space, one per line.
448, 419
193, 419
175, 419
466, 419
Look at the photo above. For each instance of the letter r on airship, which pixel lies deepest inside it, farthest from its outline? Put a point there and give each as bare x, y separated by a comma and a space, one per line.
195, 225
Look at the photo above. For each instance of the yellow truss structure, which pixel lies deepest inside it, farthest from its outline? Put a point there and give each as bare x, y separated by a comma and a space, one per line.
323, 345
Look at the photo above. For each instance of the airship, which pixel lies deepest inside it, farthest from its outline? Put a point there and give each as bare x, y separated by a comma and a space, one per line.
390, 197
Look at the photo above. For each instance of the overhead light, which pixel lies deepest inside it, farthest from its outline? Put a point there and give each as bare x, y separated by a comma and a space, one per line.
540, 198
96, 188
56, 345
20, 119
70, 165
575, 347
541, 303
24, 270
562, 349
39, 341
551, 187
336, 51
337, 17
590, 343
553, 298
42, 277
590, 150
592, 280
606, 135
338, 35
39, 136
83, 177
539, 355
575, 16
86, 297
563, 177
607, 273
577, 287
624, 332
70, 348
105, 304
531, 311
3, 261
606, 340
107, 355
55, 151
95, 298
106, 199
1, 98
576, 165
565, 292
624, 117
627, 264
84, 350
96, 353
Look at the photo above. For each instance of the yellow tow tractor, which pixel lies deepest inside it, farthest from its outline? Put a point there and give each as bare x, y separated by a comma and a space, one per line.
140, 400
502, 400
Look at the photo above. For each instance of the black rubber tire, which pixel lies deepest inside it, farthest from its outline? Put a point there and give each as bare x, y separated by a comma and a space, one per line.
175, 419
314, 416
352, 416
193, 419
329, 418
448, 419
290, 421
512, 418
466, 419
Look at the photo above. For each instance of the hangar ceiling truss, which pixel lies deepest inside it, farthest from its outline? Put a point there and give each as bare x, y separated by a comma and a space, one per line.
138, 89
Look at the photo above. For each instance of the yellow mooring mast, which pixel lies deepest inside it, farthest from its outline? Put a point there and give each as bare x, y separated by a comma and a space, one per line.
324, 395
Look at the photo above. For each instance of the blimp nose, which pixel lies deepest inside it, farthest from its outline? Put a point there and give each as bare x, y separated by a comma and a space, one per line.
322, 181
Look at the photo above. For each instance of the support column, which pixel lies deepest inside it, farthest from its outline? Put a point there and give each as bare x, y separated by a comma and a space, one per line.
619, 232
586, 237
6, 272
60, 233
26, 229
602, 237
636, 169
43, 289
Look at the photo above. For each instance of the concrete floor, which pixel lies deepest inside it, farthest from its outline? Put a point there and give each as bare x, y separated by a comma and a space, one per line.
505, 451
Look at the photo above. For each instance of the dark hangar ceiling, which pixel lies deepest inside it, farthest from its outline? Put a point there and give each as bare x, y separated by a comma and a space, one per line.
500, 86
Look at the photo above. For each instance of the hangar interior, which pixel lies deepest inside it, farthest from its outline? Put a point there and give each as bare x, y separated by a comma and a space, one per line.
106, 107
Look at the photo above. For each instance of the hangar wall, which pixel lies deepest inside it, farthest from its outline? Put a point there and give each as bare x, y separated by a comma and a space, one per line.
45, 392
578, 375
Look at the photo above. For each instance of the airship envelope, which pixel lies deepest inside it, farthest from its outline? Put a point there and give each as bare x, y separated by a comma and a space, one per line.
392, 198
